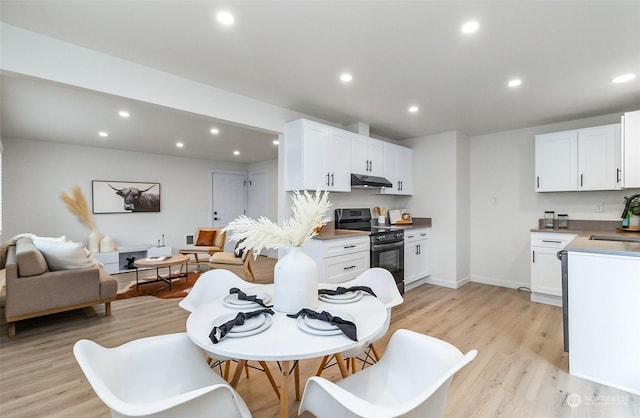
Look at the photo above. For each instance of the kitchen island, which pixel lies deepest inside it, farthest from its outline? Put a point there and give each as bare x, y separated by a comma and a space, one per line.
604, 309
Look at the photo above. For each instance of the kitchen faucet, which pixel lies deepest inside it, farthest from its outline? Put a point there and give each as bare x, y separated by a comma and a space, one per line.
628, 203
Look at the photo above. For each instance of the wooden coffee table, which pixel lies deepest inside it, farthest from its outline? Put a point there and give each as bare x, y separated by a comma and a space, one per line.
176, 260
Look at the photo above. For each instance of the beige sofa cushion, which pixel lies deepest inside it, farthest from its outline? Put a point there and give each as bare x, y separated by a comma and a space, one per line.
29, 260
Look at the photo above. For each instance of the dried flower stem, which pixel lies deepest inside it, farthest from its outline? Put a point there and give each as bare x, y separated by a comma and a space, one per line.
77, 204
308, 216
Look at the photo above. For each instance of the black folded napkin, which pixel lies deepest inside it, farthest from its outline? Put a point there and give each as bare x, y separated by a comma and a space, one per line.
244, 296
347, 327
217, 333
343, 290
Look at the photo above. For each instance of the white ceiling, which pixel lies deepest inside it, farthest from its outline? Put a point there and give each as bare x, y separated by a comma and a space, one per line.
290, 53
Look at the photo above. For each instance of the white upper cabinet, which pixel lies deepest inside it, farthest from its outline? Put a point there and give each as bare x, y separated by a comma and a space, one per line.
631, 146
366, 155
316, 157
581, 159
557, 161
599, 158
398, 169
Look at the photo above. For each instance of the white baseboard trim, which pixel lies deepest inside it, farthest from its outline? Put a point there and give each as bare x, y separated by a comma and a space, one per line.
498, 282
546, 299
447, 283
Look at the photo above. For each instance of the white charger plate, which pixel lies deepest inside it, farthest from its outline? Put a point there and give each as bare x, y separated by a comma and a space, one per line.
324, 325
232, 301
249, 324
306, 328
348, 297
268, 320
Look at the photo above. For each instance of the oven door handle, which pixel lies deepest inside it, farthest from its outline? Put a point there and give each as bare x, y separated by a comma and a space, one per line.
387, 246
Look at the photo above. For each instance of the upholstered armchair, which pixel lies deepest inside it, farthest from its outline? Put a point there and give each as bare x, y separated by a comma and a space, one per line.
207, 241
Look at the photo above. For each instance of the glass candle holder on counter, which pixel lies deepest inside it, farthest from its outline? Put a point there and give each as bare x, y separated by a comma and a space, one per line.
563, 220
548, 218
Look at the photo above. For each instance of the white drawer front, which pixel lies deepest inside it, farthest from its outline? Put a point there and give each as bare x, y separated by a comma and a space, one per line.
107, 258
345, 267
411, 235
345, 246
551, 240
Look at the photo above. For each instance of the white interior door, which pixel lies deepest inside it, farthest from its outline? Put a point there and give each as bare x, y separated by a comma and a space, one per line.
258, 195
228, 198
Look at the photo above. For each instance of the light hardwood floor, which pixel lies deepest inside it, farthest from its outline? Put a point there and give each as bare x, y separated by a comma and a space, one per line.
520, 370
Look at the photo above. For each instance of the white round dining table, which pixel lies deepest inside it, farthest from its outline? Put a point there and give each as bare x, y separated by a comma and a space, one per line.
284, 340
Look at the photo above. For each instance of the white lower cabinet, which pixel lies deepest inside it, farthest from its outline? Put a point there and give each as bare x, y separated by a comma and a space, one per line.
339, 259
546, 270
117, 261
417, 254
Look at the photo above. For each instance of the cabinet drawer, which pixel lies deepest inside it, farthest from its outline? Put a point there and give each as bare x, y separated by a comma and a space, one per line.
345, 267
411, 235
106, 258
345, 246
551, 240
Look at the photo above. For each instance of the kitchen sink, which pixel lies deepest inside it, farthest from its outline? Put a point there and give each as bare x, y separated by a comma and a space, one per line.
620, 238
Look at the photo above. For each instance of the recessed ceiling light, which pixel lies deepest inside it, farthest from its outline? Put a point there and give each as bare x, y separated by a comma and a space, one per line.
413, 109
515, 82
470, 27
346, 77
103, 134
623, 78
179, 144
236, 152
124, 114
225, 18
276, 142
215, 131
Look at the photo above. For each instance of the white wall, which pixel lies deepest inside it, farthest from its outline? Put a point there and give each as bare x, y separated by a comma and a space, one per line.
502, 168
435, 196
35, 173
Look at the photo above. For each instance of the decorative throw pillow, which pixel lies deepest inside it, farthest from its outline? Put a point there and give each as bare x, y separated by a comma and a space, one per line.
205, 238
61, 255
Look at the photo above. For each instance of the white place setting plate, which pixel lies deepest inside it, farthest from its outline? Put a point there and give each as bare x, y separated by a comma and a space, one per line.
319, 327
251, 326
232, 301
348, 297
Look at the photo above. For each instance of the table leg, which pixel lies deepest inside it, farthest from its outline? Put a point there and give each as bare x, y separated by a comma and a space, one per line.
284, 389
137, 279
341, 366
237, 373
296, 379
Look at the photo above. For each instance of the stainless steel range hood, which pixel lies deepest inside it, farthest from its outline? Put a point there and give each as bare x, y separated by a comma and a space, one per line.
364, 181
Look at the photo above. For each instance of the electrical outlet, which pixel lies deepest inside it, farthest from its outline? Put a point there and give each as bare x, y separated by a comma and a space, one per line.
599, 207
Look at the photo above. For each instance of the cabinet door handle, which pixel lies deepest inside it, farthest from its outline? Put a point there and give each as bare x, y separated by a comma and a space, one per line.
350, 246
552, 241
423, 235
366, 165
581, 178
400, 185
349, 268
538, 182
533, 256
419, 249
617, 175
328, 184
331, 179
410, 236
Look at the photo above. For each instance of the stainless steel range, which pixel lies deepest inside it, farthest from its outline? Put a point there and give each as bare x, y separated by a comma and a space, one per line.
387, 242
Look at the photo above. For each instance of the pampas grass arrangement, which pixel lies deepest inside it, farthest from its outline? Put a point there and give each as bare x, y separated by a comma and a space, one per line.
77, 204
308, 218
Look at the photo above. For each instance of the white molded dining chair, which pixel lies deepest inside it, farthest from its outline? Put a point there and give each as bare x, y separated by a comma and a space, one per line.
162, 376
212, 285
412, 379
383, 284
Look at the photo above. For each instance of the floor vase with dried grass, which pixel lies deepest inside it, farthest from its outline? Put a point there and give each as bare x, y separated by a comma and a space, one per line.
295, 282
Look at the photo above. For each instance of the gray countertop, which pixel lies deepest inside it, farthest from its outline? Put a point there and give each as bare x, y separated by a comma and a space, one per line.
329, 231
610, 241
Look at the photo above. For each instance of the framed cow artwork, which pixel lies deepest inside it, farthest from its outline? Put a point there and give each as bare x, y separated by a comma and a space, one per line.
125, 196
